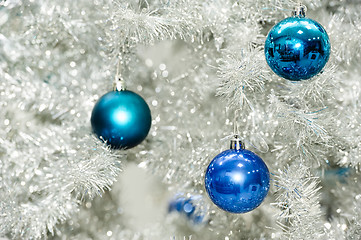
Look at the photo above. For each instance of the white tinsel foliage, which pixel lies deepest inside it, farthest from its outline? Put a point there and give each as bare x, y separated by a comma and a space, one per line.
58, 57
297, 197
345, 208
348, 118
243, 75
49, 160
301, 126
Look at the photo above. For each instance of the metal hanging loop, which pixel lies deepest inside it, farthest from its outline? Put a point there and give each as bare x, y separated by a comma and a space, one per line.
119, 83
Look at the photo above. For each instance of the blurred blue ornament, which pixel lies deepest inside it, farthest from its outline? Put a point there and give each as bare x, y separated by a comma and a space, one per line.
336, 174
121, 118
188, 207
297, 48
237, 180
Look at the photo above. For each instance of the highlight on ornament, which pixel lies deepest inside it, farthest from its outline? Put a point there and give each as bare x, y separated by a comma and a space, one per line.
121, 118
297, 48
237, 180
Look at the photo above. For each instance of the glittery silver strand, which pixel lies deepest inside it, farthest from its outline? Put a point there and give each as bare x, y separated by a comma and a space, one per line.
196, 63
297, 197
242, 76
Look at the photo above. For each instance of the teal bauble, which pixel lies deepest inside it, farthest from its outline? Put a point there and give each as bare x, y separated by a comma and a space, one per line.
297, 48
122, 119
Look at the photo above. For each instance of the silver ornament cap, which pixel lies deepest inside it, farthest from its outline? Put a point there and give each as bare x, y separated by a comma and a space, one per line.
236, 143
119, 84
299, 11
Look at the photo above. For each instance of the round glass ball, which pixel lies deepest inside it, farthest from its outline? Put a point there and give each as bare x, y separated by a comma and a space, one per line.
237, 181
121, 118
297, 48
188, 207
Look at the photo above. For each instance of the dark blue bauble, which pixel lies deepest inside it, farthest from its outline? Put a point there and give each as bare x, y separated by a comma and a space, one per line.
297, 48
187, 206
182, 205
237, 181
121, 118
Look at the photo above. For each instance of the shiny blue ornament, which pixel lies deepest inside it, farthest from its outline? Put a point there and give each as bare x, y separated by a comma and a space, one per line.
297, 48
187, 207
237, 180
121, 118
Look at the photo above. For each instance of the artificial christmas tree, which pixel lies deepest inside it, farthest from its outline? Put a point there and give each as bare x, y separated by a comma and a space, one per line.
198, 65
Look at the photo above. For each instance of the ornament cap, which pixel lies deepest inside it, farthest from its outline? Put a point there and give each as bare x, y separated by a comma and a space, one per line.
119, 84
236, 143
299, 11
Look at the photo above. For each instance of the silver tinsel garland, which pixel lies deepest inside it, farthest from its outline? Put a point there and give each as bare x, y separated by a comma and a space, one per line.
198, 64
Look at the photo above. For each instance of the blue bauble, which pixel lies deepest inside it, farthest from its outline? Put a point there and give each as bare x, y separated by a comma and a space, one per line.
237, 181
121, 118
297, 48
182, 205
187, 207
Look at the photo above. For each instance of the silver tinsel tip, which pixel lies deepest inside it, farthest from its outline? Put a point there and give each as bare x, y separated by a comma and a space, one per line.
236, 143
299, 11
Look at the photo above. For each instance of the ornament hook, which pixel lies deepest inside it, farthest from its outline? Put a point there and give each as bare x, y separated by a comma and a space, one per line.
119, 83
236, 142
